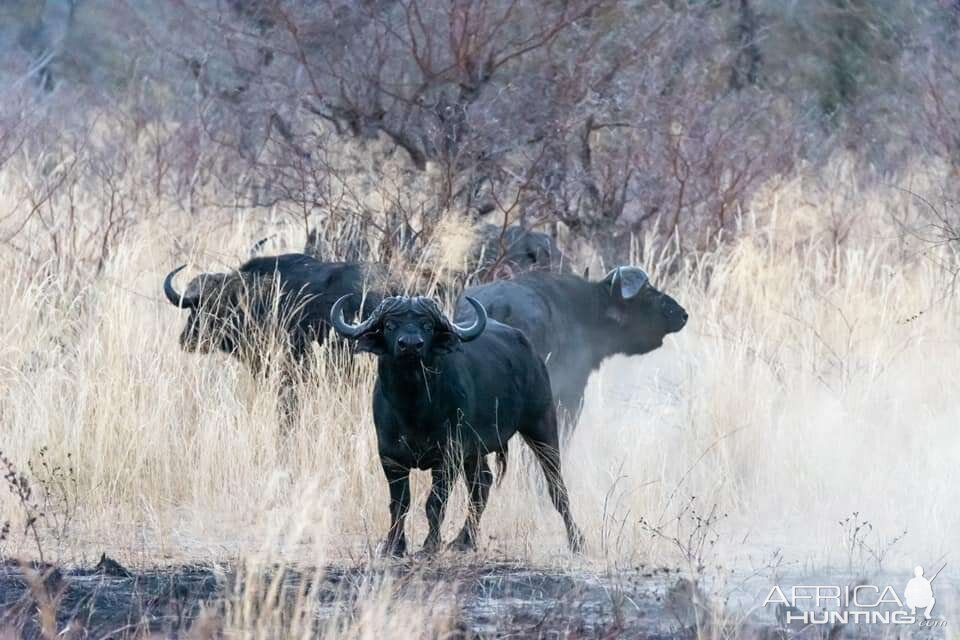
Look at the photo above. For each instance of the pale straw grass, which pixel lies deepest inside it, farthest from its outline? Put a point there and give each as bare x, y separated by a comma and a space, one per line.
805, 387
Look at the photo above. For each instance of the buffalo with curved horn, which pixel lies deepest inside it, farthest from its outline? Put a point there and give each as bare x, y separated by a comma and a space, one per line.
271, 309
453, 389
178, 299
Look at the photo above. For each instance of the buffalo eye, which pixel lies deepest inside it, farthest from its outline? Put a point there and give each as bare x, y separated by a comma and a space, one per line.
426, 326
389, 325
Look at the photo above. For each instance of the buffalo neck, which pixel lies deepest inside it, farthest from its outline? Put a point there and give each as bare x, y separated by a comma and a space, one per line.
409, 380
604, 334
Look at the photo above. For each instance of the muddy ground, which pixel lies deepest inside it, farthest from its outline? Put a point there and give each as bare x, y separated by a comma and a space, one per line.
496, 599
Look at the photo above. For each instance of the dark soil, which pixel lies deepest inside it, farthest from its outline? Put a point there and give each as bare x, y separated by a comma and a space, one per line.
487, 600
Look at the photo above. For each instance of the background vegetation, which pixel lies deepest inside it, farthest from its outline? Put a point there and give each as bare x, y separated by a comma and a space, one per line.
786, 170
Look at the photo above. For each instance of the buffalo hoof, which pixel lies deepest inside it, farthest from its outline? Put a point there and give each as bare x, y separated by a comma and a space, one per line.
429, 548
462, 544
576, 541
392, 548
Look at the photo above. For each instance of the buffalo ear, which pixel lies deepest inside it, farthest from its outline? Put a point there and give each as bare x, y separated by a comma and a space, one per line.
627, 282
254, 294
445, 342
371, 342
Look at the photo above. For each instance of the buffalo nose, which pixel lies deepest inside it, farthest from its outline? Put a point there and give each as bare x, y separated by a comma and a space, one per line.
674, 314
410, 343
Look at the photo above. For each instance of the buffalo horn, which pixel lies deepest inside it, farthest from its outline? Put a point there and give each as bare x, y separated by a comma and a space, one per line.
466, 334
177, 299
343, 327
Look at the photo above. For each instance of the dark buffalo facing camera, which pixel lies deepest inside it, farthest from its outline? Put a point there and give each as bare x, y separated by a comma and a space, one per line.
446, 396
575, 324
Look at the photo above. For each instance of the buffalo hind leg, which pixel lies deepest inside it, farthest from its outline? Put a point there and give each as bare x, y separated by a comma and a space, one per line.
398, 479
544, 442
442, 478
479, 478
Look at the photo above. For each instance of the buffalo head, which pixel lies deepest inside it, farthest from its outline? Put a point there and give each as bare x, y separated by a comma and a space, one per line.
642, 313
507, 252
408, 328
226, 310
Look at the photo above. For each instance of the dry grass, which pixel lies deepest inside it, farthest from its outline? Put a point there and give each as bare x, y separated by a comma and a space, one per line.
814, 380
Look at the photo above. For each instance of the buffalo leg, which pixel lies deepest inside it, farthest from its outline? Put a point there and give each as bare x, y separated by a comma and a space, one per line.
567, 419
288, 401
479, 478
398, 479
442, 478
570, 402
544, 442
288, 408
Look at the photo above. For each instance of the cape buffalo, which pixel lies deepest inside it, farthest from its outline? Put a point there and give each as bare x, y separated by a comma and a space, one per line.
575, 324
498, 252
448, 390
274, 305
504, 252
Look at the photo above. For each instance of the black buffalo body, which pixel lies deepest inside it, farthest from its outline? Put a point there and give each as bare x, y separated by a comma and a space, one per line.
447, 396
271, 309
575, 324
292, 293
498, 252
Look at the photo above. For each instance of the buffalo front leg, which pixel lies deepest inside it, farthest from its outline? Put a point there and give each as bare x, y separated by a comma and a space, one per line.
398, 479
292, 373
442, 479
568, 398
479, 478
288, 408
545, 444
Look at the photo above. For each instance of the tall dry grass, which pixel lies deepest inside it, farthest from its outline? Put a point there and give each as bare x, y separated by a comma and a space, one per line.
816, 378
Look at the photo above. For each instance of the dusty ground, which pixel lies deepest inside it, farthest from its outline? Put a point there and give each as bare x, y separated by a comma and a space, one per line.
485, 599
